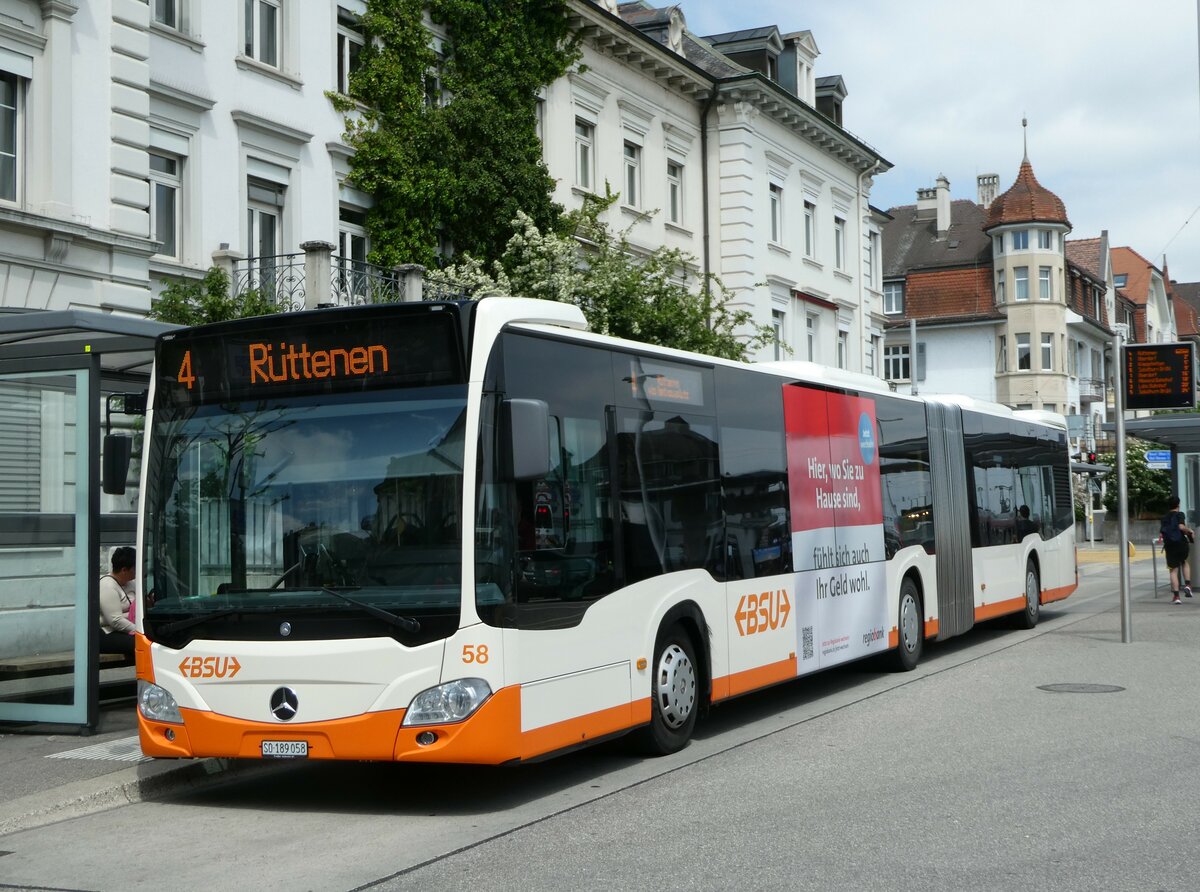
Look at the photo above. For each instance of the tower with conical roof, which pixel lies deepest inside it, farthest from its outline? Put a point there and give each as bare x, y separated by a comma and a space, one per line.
1028, 226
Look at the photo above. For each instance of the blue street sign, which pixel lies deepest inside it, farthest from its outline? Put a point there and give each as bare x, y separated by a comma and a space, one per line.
1158, 459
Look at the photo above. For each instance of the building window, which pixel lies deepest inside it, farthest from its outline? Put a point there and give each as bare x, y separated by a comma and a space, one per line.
872, 353
1002, 354
165, 184
350, 43
1021, 282
1119, 280
674, 192
895, 363
263, 22
1047, 352
893, 298
350, 264
843, 349
810, 229
264, 209
811, 335
1000, 286
777, 321
1044, 291
166, 12
1096, 312
633, 174
585, 135
873, 259
839, 243
776, 198
1024, 359
1045, 240
11, 126
1020, 240
998, 244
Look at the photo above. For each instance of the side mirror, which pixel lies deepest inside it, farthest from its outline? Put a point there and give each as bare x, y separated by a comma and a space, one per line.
525, 428
115, 465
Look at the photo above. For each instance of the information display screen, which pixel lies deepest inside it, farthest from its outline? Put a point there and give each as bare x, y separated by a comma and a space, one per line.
1160, 376
326, 352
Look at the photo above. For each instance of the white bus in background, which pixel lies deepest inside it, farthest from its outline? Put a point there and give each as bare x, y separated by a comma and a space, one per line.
474, 532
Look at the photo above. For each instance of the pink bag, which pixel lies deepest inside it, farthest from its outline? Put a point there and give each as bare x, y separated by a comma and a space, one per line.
133, 611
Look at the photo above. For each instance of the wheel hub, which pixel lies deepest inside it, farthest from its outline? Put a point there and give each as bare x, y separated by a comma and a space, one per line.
676, 686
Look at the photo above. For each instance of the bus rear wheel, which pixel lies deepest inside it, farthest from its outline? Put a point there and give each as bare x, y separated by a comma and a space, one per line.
1028, 618
674, 691
909, 627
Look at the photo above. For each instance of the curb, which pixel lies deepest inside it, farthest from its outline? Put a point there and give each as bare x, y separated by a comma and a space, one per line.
140, 783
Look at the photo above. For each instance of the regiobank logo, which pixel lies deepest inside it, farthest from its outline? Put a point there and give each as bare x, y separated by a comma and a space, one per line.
866, 438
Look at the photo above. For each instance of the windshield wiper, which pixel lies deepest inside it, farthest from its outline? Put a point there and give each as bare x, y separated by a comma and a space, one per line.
180, 625
404, 623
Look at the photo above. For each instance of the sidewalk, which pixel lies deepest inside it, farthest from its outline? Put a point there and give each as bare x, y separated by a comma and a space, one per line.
54, 776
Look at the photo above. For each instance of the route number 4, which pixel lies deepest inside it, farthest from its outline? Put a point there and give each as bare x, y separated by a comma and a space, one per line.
185, 375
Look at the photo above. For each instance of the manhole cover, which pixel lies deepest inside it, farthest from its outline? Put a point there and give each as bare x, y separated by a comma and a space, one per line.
1077, 688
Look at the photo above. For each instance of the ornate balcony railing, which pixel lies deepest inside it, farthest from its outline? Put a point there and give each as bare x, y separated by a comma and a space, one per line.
281, 278
315, 277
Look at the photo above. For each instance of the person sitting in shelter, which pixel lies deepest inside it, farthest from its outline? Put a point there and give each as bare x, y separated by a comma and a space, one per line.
116, 631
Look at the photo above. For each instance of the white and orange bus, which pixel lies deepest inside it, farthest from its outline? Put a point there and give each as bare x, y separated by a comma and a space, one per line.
474, 532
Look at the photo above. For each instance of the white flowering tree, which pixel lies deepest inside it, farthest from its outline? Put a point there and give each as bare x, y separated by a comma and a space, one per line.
654, 297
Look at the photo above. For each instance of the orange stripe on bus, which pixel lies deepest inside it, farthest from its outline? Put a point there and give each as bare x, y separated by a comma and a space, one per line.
931, 630
1057, 594
999, 608
369, 736
758, 677
141, 653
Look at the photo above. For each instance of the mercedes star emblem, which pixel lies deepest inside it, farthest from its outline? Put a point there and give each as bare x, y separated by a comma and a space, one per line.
284, 704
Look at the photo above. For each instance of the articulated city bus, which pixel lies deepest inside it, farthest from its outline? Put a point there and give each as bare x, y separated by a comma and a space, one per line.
474, 532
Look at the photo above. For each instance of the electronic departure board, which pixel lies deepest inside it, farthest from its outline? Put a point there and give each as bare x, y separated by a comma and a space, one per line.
1160, 376
311, 353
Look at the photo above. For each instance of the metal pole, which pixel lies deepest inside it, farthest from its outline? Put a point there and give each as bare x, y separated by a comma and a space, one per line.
1122, 482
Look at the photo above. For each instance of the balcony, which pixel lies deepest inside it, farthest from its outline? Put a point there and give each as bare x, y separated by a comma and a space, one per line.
1091, 390
316, 277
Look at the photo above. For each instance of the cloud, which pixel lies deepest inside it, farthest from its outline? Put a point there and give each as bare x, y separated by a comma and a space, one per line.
1110, 89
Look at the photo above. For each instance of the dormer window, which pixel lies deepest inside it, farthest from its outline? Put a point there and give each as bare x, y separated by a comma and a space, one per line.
773, 67
1119, 281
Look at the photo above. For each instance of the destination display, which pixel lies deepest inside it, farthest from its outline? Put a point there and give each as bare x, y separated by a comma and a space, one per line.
338, 354
1160, 376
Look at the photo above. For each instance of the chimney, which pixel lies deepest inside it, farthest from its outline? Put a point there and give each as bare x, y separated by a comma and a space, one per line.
927, 204
943, 206
989, 187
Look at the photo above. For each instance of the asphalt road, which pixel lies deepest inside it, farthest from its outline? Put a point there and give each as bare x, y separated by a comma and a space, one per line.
964, 774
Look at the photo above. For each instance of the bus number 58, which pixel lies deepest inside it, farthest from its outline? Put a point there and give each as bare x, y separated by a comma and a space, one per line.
475, 653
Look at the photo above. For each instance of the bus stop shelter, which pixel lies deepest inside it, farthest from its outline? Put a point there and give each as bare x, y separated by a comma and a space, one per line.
57, 370
1179, 432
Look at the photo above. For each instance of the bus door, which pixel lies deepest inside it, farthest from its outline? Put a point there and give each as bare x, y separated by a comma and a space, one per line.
952, 529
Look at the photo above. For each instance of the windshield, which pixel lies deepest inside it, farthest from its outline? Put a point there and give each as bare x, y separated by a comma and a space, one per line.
342, 506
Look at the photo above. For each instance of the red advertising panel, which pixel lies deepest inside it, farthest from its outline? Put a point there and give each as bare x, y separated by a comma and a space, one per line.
837, 526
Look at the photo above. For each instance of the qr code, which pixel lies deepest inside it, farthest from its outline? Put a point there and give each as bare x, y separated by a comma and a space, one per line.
807, 642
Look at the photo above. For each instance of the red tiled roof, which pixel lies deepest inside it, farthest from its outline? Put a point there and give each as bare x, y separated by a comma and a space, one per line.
1136, 269
948, 293
1027, 201
1085, 254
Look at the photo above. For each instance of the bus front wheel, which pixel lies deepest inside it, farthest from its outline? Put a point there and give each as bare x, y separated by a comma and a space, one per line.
909, 627
674, 690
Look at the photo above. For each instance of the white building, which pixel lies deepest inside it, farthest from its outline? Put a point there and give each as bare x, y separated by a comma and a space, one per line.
156, 139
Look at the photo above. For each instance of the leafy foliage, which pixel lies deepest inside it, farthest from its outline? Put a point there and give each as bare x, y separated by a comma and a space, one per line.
1149, 490
188, 302
647, 297
453, 171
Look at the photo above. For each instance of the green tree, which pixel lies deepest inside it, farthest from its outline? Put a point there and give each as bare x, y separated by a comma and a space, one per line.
1149, 490
651, 297
453, 171
188, 302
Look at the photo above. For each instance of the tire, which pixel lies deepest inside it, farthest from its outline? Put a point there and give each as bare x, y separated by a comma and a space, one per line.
909, 627
1028, 618
674, 694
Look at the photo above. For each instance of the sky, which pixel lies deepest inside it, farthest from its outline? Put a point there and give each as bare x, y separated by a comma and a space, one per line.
1111, 91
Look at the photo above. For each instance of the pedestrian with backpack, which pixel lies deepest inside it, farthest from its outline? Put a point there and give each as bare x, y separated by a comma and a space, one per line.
1176, 537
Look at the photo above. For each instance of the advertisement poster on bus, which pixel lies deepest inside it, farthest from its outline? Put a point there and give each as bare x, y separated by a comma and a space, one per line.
837, 527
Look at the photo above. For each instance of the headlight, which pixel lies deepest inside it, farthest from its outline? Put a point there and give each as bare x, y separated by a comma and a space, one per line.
157, 704
449, 702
